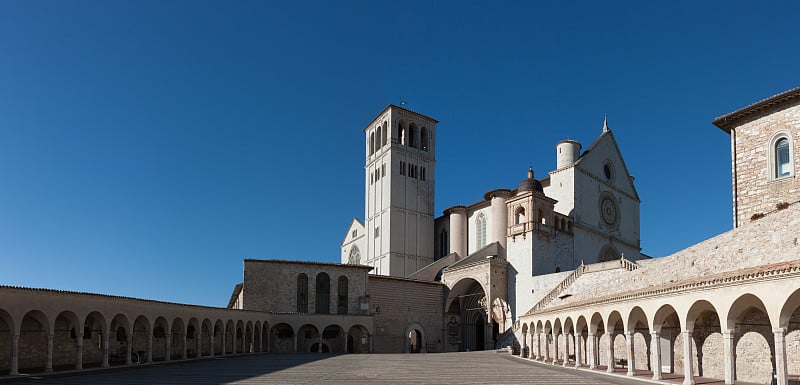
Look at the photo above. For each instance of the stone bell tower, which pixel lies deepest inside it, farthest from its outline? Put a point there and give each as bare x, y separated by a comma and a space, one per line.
399, 180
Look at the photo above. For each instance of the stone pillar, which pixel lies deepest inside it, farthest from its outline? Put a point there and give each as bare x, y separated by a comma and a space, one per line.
578, 355
629, 351
546, 348
104, 344
655, 343
78, 351
223, 343
183, 341
729, 355
269, 348
524, 344
261, 342
319, 343
233, 342
688, 362
168, 347
129, 349
781, 371
198, 343
555, 348
610, 353
48, 366
14, 355
566, 350
295, 342
590, 353
149, 348
458, 230
211, 342
539, 345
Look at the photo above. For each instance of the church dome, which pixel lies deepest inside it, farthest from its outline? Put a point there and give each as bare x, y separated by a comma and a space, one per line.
530, 184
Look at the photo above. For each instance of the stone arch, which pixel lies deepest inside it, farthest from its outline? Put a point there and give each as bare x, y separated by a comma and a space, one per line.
218, 338
385, 134
241, 335
667, 324
753, 340
282, 338
230, 337
333, 337
307, 336
249, 346
423, 138
67, 336
6, 332
265, 337
468, 297
415, 339
33, 331
119, 341
194, 338
257, 343
608, 253
358, 339
789, 320
94, 331
412, 135
597, 327
567, 347
637, 328
582, 340
206, 338
615, 330
159, 337
177, 341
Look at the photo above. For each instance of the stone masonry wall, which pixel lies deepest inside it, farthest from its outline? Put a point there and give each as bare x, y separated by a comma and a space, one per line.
397, 304
755, 190
271, 286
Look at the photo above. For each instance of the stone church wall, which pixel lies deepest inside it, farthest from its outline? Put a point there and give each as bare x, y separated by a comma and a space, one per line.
399, 304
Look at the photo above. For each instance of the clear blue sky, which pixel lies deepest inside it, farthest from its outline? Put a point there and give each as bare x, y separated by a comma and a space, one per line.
147, 147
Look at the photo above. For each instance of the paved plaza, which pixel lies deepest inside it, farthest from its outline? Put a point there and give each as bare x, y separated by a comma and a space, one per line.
487, 367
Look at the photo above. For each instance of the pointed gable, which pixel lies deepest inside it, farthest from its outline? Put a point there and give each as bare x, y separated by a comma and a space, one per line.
355, 231
603, 160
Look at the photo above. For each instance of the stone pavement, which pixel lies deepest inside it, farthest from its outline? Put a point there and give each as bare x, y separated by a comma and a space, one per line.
482, 368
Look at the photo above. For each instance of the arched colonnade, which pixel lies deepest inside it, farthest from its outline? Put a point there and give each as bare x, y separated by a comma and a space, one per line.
731, 330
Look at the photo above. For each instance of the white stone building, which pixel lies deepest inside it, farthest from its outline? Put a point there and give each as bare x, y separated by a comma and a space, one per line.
585, 211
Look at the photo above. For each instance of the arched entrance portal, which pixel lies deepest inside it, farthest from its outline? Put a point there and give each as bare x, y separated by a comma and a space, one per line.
468, 327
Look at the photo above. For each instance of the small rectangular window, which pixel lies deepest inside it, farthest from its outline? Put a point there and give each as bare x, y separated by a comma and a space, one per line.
383, 169
402, 168
377, 232
423, 174
355, 232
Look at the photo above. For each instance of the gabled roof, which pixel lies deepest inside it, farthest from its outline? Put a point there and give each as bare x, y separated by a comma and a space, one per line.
354, 223
492, 249
235, 295
607, 135
736, 118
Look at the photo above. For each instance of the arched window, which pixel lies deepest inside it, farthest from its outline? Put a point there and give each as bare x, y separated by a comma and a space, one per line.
385, 136
608, 253
372, 143
783, 165
541, 216
341, 303
412, 135
519, 215
355, 256
323, 302
302, 293
401, 133
480, 231
444, 244
378, 140
423, 137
